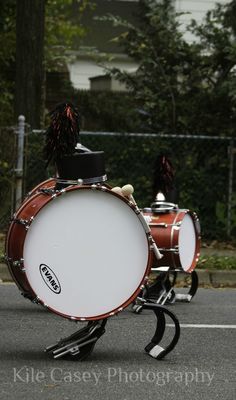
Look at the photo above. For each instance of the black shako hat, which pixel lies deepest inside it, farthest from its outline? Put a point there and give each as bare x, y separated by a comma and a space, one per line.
61, 147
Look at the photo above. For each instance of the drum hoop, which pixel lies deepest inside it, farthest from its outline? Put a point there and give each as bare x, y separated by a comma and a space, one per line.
197, 236
48, 199
162, 207
196, 224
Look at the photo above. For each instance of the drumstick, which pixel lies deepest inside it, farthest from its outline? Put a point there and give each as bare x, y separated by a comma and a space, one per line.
117, 189
156, 250
127, 191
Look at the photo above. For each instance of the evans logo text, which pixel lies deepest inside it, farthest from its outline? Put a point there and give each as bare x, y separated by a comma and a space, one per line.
50, 278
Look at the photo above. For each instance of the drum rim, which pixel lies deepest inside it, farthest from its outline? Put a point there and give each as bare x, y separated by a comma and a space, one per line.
196, 254
47, 199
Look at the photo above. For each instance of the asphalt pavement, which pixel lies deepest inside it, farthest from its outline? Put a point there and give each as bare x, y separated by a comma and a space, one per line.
202, 365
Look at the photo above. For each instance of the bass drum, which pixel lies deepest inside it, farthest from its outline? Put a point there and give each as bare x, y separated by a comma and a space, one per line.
177, 235
83, 251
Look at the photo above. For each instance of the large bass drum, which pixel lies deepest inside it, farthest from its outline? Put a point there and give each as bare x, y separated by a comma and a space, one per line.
83, 251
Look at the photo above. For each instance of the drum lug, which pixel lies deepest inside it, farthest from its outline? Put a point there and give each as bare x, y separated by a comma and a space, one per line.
48, 192
36, 300
161, 225
132, 205
27, 295
171, 250
25, 222
178, 223
176, 249
19, 264
142, 287
164, 225
56, 193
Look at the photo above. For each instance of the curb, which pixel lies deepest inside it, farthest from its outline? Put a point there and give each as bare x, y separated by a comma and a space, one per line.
212, 278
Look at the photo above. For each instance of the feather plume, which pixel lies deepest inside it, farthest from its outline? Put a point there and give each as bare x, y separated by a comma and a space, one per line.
163, 175
62, 134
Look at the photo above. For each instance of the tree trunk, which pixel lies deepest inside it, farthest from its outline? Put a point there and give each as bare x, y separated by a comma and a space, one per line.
29, 93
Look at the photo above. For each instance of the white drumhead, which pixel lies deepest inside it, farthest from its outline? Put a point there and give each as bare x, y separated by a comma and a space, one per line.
187, 242
85, 253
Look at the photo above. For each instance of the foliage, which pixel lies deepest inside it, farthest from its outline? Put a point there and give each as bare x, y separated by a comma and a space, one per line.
181, 85
7, 56
106, 111
217, 262
201, 166
221, 212
7, 154
217, 60
60, 32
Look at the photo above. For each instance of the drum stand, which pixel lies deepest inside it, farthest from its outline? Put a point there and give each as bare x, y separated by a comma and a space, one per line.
192, 290
161, 291
153, 348
80, 344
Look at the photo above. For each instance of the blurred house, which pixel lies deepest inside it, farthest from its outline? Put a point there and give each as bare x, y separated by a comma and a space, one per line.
86, 71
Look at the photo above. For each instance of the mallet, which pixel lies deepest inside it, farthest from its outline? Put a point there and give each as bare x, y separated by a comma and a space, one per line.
118, 190
127, 191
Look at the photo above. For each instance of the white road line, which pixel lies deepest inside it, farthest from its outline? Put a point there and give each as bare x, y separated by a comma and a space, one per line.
206, 326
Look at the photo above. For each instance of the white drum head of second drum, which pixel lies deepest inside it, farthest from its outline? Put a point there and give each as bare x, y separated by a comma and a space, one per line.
187, 242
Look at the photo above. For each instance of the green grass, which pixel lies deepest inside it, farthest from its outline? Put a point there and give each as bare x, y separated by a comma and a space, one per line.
217, 262
2, 246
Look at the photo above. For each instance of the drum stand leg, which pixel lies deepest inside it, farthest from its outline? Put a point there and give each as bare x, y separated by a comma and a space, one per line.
80, 344
153, 348
159, 292
192, 290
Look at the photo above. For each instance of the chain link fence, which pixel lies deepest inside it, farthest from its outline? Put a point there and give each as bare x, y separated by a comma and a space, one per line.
204, 166
7, 164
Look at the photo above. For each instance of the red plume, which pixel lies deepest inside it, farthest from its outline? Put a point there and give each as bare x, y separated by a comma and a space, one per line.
163, 175
63, 132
